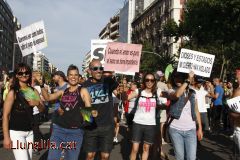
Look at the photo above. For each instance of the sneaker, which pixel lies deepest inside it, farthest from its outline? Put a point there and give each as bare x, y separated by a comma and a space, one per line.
115, 140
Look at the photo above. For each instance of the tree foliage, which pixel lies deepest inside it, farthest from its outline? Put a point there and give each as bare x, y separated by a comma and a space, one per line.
152, 61
211, 26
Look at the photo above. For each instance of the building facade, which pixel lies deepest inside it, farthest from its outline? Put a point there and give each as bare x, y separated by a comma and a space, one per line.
86, 63
40, 62
127, 14
111, 30
148, 26
8, 48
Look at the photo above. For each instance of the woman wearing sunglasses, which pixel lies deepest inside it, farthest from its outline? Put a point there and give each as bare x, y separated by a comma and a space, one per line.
17, 114
144, 122
183, 117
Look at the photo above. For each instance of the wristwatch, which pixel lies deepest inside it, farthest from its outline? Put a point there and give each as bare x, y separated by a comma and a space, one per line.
42, 86
187, 81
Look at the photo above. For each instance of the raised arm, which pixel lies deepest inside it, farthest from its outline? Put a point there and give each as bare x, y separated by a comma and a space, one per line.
51, 97
182, 88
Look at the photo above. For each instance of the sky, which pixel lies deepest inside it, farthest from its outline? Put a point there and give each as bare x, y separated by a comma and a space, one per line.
70, 25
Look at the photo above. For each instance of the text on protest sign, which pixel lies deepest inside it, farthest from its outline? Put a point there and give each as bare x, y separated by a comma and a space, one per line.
98, 49
122, 57
199, 62
234, 104
32, 38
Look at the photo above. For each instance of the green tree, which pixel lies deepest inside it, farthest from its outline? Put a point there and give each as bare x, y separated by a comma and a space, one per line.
152, 61
213, 27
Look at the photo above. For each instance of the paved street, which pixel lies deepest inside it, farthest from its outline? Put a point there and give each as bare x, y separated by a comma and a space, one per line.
218, 147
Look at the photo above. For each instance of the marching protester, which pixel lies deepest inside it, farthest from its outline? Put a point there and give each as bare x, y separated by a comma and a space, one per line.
217, 107
116, 102
183, 116
68, 123
201, 94
100, 137
236, 116
59, 79
144, 121
36, 81
209, 88
18, 114
161, 114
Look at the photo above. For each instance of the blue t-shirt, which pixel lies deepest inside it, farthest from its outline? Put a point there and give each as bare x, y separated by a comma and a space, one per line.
220, 91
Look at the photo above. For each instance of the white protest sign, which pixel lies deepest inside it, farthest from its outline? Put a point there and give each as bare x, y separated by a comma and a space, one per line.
122, 57
32, 38
200, 63
234, 104
98, 47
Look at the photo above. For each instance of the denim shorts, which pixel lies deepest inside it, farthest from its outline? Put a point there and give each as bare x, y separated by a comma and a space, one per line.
143, 132
99, 139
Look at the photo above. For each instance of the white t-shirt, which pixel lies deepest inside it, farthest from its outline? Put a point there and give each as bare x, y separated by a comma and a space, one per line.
201, 99
185, 122
146, 110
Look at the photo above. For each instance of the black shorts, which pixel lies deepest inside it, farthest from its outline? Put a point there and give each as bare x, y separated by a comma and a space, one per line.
99, 139
143, 132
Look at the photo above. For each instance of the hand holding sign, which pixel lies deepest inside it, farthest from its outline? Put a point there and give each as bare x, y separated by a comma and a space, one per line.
234, 104
200, 63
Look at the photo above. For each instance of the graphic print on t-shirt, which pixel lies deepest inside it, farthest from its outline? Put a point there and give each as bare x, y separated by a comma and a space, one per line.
146, 103
69, 101
99, 93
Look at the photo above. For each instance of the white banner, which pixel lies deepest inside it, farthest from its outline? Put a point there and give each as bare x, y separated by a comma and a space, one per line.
234, 104
32, 38
98, 47
200, 63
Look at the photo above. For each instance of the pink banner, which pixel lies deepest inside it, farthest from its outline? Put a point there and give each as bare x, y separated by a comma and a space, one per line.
122, 57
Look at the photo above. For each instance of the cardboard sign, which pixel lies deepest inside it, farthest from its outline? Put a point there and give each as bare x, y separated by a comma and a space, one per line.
198, 62
234, 104
98, 49
122, 57
32, 38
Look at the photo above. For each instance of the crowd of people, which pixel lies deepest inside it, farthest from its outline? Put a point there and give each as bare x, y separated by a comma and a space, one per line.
88, 112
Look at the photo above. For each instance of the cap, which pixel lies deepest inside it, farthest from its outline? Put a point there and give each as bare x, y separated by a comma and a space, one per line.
59, 73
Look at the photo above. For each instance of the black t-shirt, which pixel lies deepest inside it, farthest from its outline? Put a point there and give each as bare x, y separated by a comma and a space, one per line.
101, 94
71, 103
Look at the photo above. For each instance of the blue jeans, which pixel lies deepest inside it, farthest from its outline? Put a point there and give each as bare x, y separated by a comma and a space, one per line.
184, 141
71, 139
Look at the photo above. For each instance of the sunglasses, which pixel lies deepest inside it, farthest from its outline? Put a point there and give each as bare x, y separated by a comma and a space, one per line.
27, 73
97, 68
150, 80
